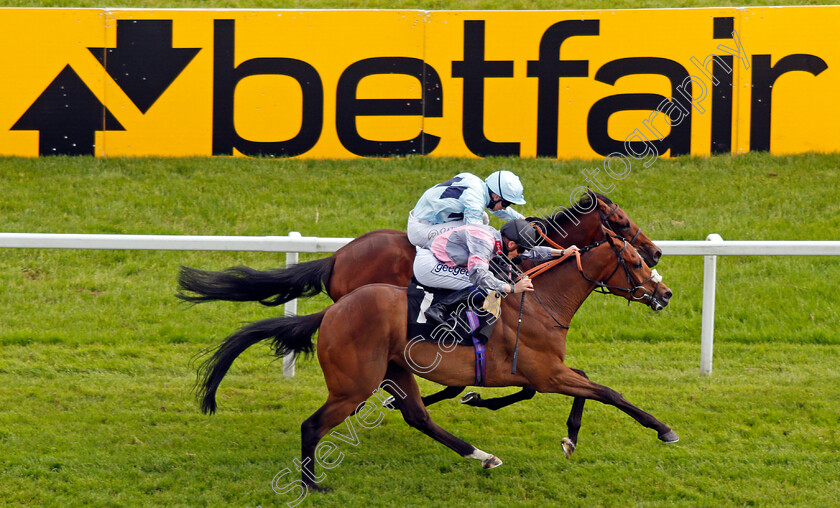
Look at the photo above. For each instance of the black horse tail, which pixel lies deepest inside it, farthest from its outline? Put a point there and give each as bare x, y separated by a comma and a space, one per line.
243, 284
291, 334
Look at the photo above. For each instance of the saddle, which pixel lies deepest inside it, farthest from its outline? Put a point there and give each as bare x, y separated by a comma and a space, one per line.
473, 326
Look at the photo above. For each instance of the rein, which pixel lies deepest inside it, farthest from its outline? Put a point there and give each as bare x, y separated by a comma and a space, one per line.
634, 286
603, 286
574, 250
567, 253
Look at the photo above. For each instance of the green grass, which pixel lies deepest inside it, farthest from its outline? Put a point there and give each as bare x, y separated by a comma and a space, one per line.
99, 425
97, 358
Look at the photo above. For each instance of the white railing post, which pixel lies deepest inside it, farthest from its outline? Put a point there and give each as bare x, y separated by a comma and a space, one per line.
707, 332
290, 309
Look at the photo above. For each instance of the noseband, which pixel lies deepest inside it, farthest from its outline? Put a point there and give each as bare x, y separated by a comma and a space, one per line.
609, 225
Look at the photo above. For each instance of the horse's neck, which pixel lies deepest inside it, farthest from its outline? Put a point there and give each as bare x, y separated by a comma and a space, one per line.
563, 290
586, 232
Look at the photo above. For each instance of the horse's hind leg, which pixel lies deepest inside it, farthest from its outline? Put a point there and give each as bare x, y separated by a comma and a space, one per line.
408, 401
331, 414
450, 392
350, 384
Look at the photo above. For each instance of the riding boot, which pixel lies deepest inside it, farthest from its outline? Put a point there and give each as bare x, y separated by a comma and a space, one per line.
440, 311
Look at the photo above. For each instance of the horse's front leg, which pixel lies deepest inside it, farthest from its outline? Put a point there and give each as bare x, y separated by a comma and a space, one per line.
495, 403
569, 443
450, 392
566, 381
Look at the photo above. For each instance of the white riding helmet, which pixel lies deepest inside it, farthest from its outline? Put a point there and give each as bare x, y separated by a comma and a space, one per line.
507, 186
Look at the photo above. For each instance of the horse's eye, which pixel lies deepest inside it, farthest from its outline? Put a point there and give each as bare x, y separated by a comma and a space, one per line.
625, 225
638, 265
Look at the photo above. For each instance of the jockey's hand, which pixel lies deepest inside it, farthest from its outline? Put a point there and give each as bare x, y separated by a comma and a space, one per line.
523, 285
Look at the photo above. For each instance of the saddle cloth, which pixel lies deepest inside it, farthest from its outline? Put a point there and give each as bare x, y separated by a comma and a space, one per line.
421, 298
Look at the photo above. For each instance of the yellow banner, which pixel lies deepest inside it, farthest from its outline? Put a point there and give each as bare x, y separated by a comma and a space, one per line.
50, 81
344, 84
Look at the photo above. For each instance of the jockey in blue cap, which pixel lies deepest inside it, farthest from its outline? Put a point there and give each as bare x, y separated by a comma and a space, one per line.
462, 200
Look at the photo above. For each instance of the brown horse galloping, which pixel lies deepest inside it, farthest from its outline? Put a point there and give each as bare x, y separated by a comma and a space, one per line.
362, 343
386, 256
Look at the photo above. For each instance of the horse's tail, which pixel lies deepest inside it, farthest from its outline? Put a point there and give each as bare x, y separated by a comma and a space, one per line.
243, 284
291, 334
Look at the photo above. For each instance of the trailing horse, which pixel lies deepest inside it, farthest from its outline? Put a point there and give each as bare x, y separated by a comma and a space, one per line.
386, 256
362, 342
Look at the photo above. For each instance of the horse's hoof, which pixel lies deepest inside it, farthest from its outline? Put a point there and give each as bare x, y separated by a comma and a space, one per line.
669, 437
314, 487
568, 447
389, 403
471, 396
491, 462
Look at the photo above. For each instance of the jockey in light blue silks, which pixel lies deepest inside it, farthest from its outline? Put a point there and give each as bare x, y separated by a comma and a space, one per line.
462, 201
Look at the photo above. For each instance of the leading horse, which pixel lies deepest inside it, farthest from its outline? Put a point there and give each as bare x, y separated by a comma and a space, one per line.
386, 256
363, 343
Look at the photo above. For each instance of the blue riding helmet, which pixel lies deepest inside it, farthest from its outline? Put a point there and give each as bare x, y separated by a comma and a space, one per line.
507, 186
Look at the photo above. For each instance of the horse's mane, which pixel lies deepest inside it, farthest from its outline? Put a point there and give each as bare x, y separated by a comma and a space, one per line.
563, 217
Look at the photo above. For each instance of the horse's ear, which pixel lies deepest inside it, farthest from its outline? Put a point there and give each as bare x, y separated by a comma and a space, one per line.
601, 204
614, 240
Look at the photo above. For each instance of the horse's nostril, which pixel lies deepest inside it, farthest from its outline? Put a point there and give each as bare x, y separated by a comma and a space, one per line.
668, 295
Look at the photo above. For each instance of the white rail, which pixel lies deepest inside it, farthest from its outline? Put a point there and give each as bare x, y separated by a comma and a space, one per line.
715, 246
293, 244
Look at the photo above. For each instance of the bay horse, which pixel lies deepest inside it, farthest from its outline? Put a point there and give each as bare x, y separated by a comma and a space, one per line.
363, 342
386, 256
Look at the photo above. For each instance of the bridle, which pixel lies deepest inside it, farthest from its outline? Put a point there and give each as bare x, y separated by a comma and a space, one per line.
609, 225
604, 288
600, 286
603, 216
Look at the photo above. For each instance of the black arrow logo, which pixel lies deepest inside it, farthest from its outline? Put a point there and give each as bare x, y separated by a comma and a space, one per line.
144, 63
67, 114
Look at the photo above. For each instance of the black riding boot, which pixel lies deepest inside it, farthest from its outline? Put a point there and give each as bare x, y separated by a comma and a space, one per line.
440, 311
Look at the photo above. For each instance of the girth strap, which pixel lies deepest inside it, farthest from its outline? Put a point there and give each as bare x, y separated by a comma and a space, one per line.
480, 357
